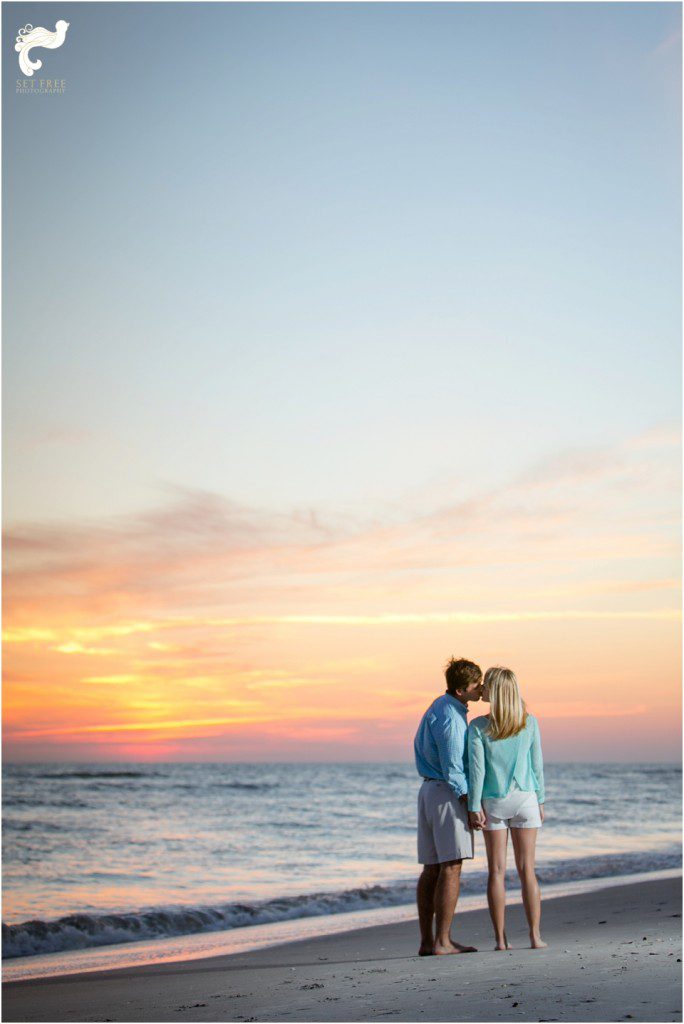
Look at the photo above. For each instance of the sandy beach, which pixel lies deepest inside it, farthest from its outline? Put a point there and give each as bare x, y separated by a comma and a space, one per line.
614, 954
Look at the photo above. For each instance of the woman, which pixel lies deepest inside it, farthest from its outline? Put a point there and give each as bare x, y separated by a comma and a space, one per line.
506, 790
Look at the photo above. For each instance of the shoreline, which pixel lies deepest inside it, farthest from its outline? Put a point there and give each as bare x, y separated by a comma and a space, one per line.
206, 944
614, 954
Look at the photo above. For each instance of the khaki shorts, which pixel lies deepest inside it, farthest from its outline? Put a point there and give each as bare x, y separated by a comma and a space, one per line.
443, 829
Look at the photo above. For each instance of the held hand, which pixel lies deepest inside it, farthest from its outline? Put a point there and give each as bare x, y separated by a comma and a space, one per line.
477, 819
541, 812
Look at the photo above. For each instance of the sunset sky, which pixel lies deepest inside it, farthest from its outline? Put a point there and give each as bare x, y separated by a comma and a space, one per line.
339, 339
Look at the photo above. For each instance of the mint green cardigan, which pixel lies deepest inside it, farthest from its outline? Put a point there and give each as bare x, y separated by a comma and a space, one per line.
494, 764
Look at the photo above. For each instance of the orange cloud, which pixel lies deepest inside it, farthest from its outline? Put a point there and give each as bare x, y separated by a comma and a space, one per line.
209, 619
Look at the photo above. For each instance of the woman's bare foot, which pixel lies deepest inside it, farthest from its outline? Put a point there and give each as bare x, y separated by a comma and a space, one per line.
502, 944
537, 943
453, 947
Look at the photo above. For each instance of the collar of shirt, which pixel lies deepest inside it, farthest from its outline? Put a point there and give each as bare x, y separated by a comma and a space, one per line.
463, 708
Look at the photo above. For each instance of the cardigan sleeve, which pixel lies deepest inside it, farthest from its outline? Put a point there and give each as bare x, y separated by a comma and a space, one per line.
538, 762
476, 768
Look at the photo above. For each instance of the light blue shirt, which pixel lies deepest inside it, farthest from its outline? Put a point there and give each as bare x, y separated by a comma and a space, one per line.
440, 745
494, 765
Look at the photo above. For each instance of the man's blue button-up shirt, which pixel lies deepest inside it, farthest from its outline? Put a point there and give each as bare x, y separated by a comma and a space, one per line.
440, 745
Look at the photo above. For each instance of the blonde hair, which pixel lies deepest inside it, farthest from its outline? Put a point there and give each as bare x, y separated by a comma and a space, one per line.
507, 711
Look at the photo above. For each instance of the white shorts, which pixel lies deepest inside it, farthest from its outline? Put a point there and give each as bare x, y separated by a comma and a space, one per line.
517, 810
444, 832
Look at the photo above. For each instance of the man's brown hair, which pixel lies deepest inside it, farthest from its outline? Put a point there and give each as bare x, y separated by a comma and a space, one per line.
460, 674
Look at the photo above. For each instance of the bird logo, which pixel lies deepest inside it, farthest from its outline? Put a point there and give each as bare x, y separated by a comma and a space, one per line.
28, 37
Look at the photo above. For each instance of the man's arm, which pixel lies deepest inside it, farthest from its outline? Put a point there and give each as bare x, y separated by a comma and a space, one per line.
449, 733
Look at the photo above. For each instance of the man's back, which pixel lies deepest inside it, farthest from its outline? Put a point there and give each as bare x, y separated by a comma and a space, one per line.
440, 743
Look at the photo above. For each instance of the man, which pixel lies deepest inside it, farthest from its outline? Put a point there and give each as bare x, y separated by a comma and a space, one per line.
445, 837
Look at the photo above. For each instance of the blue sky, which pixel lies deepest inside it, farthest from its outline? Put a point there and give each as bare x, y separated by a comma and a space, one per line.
324, 253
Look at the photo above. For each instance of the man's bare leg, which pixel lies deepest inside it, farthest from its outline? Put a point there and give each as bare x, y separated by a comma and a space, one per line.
446, 896
425, 898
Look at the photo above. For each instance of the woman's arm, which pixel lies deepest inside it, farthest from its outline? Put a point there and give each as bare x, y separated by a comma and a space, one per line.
538, 762
476, 768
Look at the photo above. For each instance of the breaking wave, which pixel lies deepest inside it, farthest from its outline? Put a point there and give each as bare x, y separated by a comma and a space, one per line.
81, 931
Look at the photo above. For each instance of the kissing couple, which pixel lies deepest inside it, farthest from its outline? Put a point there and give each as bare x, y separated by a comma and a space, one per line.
486, 776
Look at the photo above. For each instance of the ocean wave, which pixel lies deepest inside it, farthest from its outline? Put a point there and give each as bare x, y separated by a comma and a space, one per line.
608, 865
33, 802
95, 775
201, 785
243, 785
42, 827
309, 826
81, 931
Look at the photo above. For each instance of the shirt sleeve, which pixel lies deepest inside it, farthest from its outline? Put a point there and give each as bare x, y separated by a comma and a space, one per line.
476, 768
538, 762
449, 732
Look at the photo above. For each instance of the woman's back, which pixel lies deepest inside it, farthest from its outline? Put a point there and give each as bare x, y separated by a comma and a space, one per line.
495, 766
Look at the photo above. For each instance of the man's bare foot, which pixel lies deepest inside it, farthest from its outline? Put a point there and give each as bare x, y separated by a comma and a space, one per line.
425, 950
537, 943
453, 947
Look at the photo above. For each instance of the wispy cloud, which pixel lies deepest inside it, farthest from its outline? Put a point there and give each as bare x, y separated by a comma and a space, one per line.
205, 551
670, 44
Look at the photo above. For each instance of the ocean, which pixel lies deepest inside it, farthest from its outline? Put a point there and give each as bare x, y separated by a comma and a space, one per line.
102, 857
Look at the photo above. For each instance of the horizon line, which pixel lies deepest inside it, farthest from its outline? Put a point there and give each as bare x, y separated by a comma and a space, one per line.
675, 763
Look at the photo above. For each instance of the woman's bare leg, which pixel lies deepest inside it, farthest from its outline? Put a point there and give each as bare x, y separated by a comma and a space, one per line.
496, 843
524, 845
